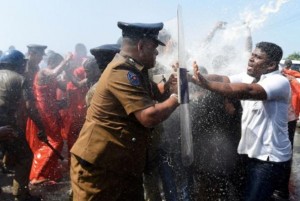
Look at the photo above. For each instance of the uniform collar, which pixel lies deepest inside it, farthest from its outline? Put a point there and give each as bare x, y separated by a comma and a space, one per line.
129, 60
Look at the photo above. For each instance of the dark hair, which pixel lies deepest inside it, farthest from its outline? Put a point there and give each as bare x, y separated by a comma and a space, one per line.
80, 49
90, 63
273, 51
288, 63
54, 59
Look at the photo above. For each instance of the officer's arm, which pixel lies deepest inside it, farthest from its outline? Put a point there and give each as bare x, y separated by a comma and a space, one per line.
157, 113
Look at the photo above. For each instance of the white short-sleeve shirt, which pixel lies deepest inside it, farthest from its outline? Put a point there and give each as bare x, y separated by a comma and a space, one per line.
265, 123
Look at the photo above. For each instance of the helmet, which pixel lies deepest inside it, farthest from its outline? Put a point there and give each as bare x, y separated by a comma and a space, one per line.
14, 59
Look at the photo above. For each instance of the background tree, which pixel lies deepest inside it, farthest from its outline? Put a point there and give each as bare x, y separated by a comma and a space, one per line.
294, 56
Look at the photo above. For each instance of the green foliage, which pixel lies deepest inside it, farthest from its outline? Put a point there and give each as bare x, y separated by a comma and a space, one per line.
294, 56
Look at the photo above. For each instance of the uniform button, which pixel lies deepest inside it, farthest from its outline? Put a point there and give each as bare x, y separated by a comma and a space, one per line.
133, 139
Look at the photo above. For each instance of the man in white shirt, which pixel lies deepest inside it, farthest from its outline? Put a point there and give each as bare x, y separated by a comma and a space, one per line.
265, 97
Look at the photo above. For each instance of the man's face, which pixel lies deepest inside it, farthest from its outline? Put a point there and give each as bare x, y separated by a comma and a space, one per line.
258, 63
35, 58
149, 53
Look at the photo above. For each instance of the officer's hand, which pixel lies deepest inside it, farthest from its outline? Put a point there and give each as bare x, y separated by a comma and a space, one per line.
42, 136
7, 132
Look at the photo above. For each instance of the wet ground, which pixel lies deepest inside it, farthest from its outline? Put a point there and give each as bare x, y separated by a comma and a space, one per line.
59, 192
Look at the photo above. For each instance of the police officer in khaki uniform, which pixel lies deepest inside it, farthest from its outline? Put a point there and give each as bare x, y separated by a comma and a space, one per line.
109, 156
103, 55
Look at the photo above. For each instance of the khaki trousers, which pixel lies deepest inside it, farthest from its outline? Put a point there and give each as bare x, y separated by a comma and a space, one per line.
97, 183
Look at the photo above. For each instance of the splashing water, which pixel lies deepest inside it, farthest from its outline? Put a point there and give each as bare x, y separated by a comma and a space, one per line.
226, 53
228, 44
256, 20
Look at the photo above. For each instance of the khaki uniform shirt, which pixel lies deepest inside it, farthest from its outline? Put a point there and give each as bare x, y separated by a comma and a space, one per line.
111, 135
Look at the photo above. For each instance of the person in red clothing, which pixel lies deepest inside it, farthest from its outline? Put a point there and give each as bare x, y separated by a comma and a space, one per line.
74, 114
282, 192
295, 99
79, 55
76, 69
45, 162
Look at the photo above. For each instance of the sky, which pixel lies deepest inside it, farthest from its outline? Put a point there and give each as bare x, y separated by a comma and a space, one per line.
60, 24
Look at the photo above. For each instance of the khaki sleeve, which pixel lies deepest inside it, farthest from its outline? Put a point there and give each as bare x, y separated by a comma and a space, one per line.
127, 86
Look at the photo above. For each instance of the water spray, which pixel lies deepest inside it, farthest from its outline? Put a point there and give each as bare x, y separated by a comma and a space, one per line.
256, 20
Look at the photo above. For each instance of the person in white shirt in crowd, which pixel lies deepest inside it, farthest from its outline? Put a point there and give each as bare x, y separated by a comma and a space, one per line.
265, 95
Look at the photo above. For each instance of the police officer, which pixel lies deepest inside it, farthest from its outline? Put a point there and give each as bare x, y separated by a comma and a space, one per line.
34, 57
12, 104
94, 67
109, 156
103, 55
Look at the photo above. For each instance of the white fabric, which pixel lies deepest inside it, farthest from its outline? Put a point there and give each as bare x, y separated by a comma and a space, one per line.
265, 123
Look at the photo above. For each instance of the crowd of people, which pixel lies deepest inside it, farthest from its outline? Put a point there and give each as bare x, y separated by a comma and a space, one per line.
122, 128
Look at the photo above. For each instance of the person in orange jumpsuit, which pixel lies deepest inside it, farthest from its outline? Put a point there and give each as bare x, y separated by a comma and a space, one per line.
45, 162
72, 93
74, 114
283, 190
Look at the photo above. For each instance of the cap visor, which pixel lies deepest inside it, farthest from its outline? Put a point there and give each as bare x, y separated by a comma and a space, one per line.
159, 42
